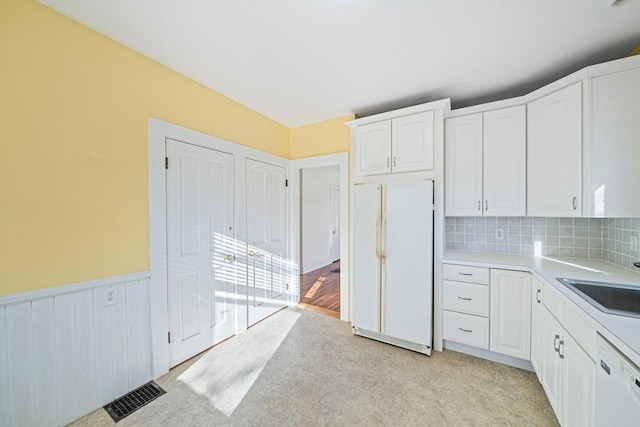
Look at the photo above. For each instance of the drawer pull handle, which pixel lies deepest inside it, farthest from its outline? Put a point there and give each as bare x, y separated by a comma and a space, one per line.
561, 353
465, 330
556, 346
538, 296
466, 274
464, 299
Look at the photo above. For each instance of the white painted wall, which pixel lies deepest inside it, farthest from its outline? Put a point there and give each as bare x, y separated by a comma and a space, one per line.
64, 353
316, 216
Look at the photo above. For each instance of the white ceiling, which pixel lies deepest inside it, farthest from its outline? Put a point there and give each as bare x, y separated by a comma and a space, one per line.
300, 62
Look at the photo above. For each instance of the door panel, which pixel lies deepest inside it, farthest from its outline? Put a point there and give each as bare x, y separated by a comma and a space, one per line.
463, 165
408, 261
373, 148
554, 154
412, 142
510, 319
200, 249
266, 240
365, 265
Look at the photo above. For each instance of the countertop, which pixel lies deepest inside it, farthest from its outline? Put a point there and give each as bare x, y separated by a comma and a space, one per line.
622, 331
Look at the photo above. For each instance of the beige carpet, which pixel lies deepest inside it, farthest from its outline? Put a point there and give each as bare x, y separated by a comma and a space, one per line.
300, 368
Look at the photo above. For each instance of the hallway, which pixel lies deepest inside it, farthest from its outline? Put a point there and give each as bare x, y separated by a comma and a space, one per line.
320, 290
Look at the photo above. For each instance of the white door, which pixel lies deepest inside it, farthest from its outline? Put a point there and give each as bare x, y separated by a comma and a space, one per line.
407, 257
463, 166
267, 287
200, 252
365, 265
412, 142
335, 223
510, 313
373, 148
554, 154
505, 162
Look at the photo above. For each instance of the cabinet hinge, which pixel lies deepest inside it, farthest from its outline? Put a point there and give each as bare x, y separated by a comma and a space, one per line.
169, 337
286, 182
166, 163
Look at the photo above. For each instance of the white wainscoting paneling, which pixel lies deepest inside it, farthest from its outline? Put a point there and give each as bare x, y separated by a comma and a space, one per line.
62, 355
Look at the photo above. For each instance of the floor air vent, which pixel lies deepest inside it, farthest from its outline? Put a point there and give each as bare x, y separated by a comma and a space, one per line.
134, 400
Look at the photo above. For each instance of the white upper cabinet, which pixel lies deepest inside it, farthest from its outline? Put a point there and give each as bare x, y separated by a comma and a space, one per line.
412, 142
463, 166
504, 164
403, 144
612, 145
486, 163
554, 153
373, 147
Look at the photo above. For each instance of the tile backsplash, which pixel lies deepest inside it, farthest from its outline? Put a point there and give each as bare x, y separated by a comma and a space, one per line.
595, 238
617, 236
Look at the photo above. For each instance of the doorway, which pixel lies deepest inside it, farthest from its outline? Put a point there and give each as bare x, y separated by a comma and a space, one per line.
299, 168
320, 239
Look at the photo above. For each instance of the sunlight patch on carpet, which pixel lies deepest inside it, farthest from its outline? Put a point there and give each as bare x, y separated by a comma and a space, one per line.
227, 372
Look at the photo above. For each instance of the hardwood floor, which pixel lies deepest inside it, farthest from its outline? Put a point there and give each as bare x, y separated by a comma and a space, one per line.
320, 290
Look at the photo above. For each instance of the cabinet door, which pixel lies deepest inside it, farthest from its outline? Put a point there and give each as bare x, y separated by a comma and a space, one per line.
613, 146
510, 318
554, 154
505, 163
366, 262
536, 325
463, 166
412, 142
373, 148
578, 384
408, 261
550, 360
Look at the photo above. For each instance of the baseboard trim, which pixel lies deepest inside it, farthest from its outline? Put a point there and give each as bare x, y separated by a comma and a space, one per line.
21, 297
488, 355
306, 268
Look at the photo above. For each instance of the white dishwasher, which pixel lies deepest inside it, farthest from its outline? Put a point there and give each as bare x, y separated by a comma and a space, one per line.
617, 388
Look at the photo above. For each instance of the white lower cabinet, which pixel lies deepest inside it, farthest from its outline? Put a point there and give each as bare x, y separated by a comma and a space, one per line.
510, 317
578, 385
536, 325
550, 362
566, 372
466, 329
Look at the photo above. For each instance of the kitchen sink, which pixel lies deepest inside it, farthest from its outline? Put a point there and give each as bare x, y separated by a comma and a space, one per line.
612, 298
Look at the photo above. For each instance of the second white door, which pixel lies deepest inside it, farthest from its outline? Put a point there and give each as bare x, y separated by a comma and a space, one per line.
267, 266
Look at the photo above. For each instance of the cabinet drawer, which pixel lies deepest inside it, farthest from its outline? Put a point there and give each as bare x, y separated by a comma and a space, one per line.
580, 329
465, 273
466, 329
552, 300
467, 298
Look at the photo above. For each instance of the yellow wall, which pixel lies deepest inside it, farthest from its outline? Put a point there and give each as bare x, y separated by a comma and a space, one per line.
73, 146
327, 137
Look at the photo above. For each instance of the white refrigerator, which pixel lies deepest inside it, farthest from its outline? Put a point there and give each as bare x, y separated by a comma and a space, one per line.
392, 286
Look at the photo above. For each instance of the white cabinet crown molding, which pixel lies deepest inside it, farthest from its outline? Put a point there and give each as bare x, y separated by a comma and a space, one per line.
444, 104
